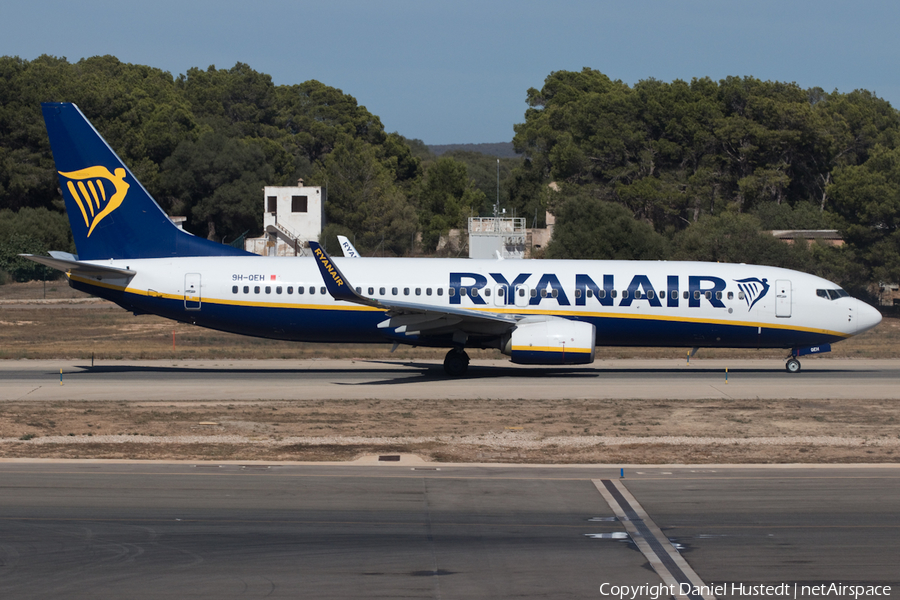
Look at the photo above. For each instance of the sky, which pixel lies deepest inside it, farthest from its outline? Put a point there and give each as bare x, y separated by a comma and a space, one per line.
454, 72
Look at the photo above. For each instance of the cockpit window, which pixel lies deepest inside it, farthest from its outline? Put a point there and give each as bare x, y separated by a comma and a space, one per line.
831, 294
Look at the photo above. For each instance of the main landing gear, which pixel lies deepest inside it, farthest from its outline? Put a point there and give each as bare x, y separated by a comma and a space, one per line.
456, 362
792, 365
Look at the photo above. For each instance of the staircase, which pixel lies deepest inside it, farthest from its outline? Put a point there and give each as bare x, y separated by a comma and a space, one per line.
290, 238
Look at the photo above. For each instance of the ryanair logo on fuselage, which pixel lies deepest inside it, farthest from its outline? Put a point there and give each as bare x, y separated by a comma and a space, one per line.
754, 289
96, 192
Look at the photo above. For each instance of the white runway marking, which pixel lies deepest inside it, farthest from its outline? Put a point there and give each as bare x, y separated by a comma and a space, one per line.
650, 540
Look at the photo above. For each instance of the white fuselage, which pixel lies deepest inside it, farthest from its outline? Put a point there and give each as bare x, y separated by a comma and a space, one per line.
637, 303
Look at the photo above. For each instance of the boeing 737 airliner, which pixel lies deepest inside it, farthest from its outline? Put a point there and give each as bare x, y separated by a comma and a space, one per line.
536, 311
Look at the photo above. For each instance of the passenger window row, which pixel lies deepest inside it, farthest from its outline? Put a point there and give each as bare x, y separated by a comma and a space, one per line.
651, 294
406, 291
289, 290
268, 289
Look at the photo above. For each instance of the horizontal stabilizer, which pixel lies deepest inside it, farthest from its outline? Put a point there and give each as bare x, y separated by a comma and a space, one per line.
81, 268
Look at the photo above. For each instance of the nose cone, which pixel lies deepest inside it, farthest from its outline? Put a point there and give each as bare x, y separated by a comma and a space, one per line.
867, 317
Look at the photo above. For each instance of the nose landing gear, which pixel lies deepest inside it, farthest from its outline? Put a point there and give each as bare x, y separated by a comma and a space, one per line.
792, 365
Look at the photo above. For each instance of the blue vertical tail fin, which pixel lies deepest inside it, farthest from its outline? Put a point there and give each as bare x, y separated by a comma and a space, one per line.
110, 212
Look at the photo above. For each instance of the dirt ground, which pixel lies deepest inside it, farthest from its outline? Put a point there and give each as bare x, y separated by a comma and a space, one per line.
622, 431
546, 431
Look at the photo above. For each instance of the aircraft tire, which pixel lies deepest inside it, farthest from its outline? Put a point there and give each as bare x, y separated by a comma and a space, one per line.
456, 363
792, 365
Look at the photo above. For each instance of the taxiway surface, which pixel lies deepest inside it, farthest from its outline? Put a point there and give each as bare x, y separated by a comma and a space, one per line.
116, 530
357, 379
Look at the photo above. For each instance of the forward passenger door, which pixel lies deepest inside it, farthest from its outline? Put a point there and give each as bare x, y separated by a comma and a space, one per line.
783, 298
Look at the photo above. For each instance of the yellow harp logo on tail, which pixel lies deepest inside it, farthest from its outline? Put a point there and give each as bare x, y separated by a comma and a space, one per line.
97, 192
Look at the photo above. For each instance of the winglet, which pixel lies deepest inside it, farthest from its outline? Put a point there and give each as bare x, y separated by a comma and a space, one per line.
347, 248
335, 282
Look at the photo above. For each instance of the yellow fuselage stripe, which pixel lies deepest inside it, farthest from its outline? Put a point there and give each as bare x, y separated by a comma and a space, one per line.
495, 310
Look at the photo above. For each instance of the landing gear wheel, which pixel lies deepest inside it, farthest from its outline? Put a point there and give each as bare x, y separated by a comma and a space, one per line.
456, 363
792, 365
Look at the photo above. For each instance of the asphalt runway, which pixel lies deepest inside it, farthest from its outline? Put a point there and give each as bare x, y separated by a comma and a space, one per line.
131, 530
359, 379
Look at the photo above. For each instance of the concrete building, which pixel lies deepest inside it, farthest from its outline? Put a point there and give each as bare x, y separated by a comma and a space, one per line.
489, 236
292, 216
540, 237
828, 236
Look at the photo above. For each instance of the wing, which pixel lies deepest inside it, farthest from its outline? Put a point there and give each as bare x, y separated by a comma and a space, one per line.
412, 318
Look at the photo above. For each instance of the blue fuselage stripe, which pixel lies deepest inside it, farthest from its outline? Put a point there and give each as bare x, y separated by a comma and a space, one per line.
361, 326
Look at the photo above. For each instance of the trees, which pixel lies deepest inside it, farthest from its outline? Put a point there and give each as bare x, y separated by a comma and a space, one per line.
736, 237
31, 231
866, 197
482, 169
217, 180
690, 157
446, 199
671, 152
203, 143
363, 198
673, 156
588, 227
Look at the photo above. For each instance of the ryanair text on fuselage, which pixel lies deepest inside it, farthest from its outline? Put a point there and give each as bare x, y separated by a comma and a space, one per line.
640, 288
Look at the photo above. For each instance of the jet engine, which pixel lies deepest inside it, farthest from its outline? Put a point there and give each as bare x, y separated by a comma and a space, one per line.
551, 341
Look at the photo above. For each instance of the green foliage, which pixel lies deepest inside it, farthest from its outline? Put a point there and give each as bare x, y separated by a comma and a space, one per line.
869, 194
362, 196
217, 180
31, 231
867, 199
47, 227
671, 152
399, 158
803, 215
419, 149
203, 143
587, 227
447, 198
736, 238
328, 238
482, 169
656, 170
22, 269
692, 157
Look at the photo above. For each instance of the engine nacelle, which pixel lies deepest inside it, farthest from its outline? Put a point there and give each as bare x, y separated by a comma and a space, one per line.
552, 341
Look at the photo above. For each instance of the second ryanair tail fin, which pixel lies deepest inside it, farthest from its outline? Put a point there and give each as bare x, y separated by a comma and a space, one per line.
110, 212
